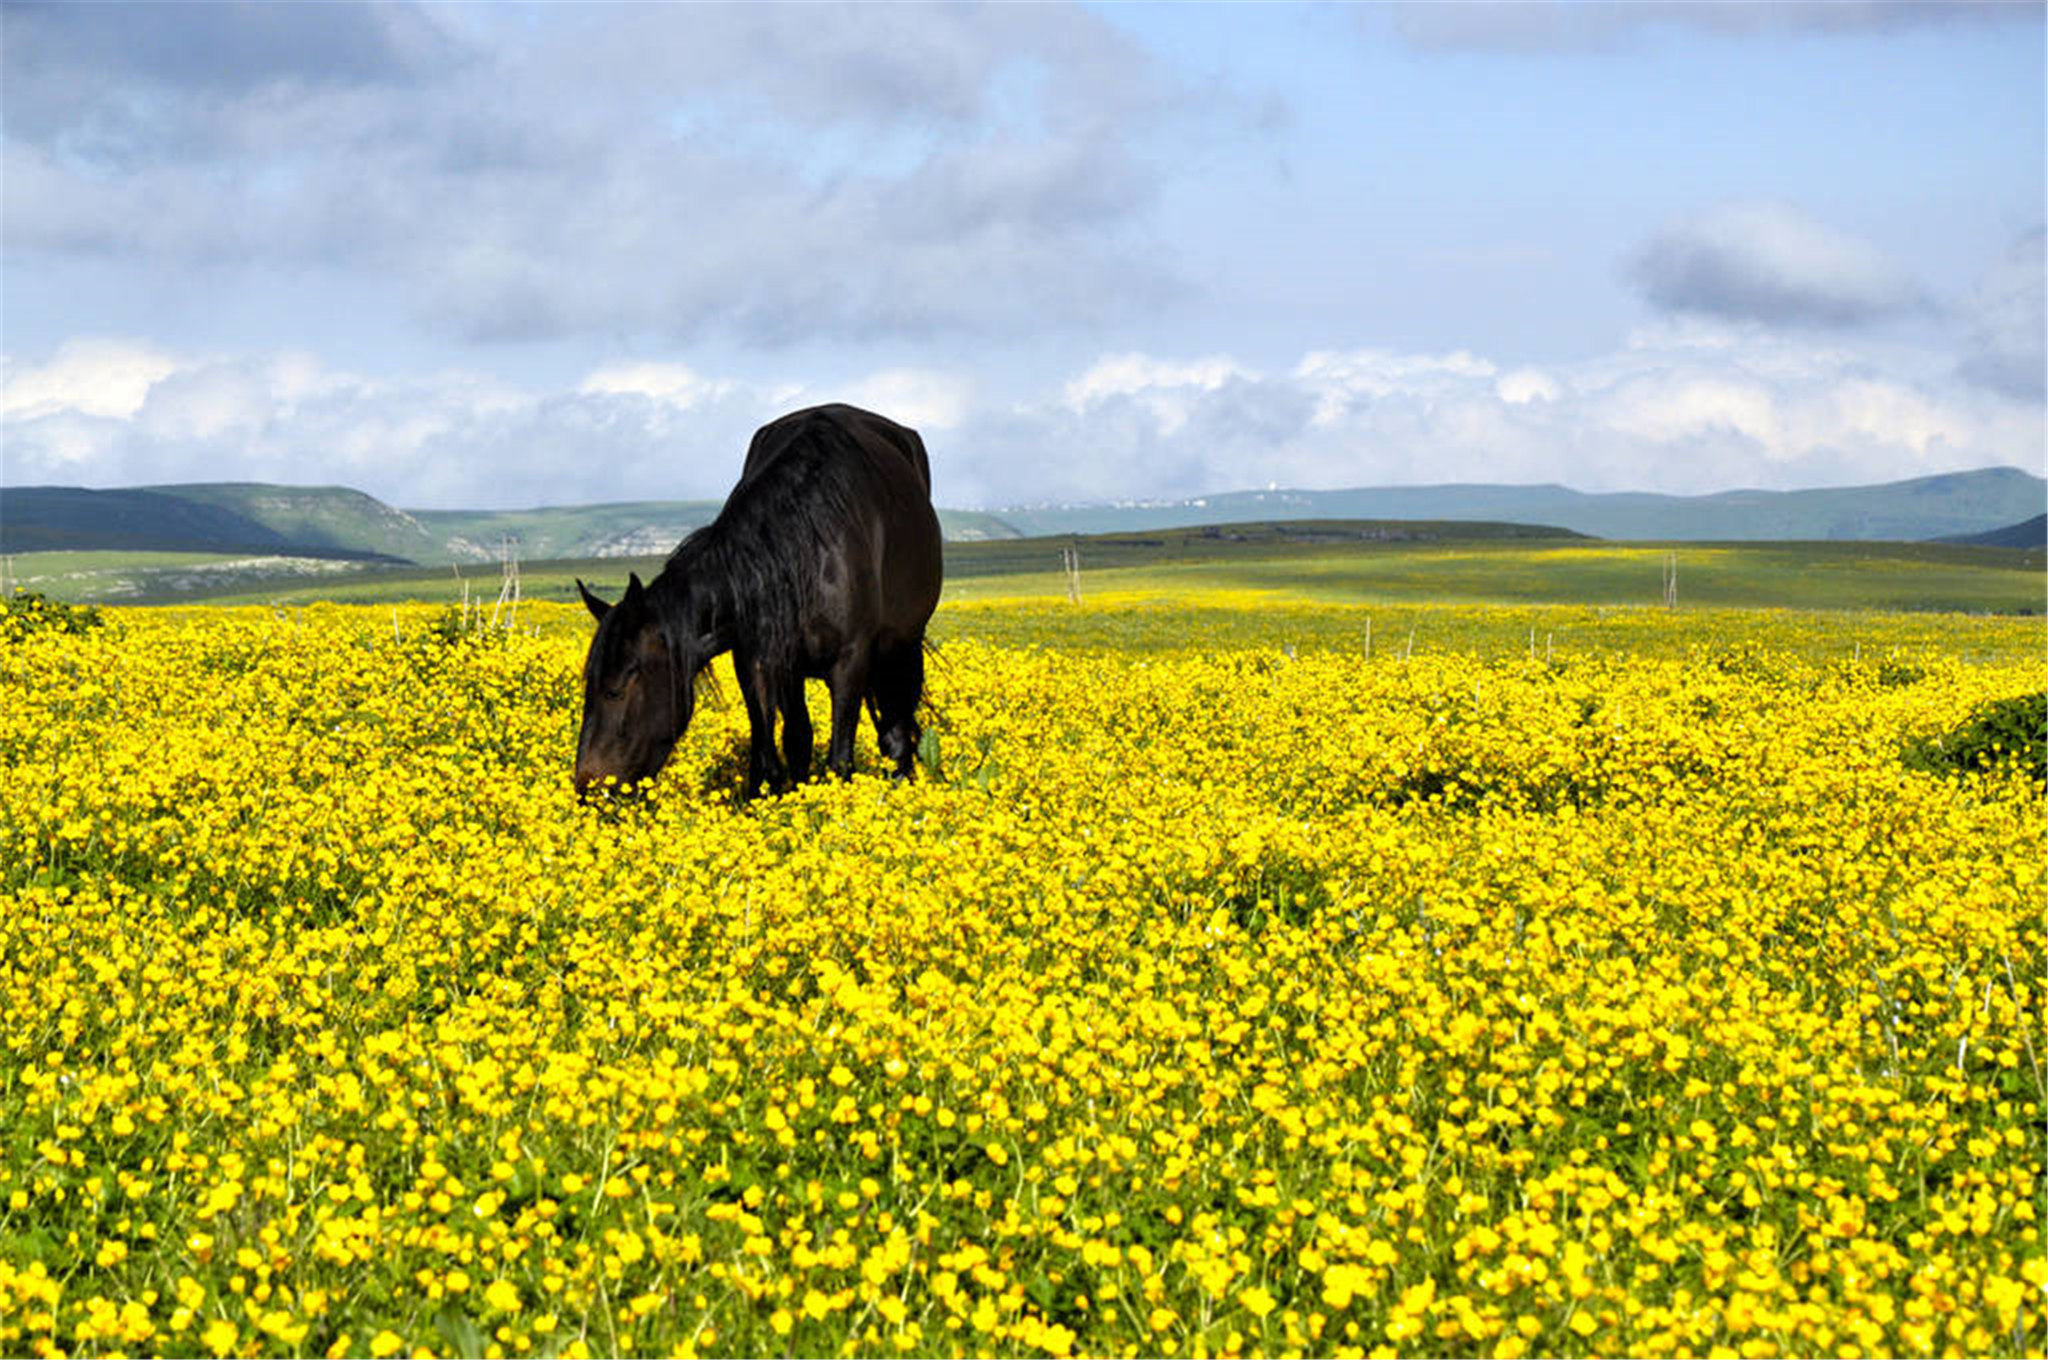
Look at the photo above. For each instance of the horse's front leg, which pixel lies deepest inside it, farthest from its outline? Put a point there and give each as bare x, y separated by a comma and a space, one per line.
764, 767
848, 680
899, 684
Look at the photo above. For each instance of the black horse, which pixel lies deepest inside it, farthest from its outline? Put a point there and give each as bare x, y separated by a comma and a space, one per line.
824, 563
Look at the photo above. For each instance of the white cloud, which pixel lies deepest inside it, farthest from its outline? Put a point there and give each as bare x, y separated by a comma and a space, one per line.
115, 413
97, 377
1343, 381
1128, 374
1671, 406
924, 399
677, 384
1882, 412
1167, 389
207, 403
63, 445
1521, 386
1684, 407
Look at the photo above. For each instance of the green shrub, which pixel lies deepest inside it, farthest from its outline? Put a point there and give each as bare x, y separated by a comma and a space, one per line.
26, 611
2013, 729
1898, 674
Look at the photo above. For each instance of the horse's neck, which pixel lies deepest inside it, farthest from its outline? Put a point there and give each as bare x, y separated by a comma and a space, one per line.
702, 586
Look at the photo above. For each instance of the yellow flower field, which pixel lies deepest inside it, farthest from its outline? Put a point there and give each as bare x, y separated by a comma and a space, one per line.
1204, 996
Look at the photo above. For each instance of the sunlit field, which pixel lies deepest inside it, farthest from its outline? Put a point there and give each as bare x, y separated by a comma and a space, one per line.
1464, 566
1233, 979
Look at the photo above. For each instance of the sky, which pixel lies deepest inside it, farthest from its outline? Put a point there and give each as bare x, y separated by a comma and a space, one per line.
479, 256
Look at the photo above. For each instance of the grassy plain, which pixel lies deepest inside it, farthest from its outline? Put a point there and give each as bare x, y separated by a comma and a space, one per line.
1564, 980
1514, 570
1304, 562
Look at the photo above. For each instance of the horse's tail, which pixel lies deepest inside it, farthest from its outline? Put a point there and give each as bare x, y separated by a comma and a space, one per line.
919, 459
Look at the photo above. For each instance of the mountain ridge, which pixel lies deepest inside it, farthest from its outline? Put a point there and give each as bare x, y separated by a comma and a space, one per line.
339, 521
1913, 509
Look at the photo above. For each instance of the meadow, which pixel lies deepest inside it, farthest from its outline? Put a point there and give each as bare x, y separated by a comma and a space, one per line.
1418, 564
1245, 973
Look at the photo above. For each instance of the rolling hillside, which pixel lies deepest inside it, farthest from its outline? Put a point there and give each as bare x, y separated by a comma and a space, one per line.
72, 519
332, 517
1359, 562
619, 529
331, 521
246, 517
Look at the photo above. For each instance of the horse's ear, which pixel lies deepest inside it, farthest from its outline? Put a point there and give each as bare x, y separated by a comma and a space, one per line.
598, 608
634, 590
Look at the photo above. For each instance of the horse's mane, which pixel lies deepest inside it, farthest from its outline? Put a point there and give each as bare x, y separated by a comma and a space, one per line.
751, 574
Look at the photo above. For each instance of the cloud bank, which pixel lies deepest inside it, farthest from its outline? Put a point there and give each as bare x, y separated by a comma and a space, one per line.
587, 250
1684, 407
770, 174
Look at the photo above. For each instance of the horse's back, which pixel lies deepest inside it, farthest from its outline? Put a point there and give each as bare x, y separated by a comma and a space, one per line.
865, 481
831, 424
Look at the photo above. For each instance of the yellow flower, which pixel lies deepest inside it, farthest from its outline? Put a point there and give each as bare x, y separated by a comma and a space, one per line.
1515, 1000
220, 1336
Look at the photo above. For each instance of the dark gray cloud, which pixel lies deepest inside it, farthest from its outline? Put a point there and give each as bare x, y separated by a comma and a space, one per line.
2005, 347
767, 173
1531, 26
1770, 262
874, 65
230, 47
114, 86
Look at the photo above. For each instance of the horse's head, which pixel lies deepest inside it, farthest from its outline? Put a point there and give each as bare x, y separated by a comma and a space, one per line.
637, 688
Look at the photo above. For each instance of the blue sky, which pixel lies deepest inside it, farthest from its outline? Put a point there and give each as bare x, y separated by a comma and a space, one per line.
488, 255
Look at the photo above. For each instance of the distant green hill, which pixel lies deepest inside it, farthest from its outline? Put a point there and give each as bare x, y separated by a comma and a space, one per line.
619, 529
63, 518
1908, 511
331, 517
327, 521
330, 521
623, 529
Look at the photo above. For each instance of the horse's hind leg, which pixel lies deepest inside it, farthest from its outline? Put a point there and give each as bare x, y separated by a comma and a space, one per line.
898, 685
796, 731
849, 682
760, 691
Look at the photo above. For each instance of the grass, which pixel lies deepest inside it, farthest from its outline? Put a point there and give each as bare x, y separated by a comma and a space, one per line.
1890, 576
1327, 563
